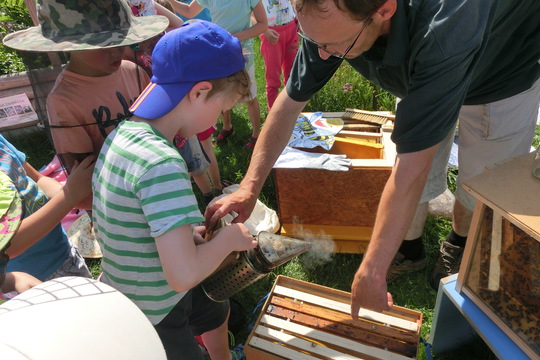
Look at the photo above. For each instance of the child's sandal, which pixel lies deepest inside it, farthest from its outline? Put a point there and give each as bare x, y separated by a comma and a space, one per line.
226, 183
250, 145
223, 136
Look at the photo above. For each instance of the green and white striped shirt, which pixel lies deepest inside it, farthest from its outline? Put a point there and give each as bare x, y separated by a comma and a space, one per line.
141, 191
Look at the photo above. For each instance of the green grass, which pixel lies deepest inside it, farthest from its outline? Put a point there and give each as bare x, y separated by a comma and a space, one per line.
411, 291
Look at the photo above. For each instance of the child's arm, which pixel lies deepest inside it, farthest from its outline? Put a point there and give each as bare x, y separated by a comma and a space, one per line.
188, 10
258, 27
271, 35
64, 198
186, 264
174, 21
19, 282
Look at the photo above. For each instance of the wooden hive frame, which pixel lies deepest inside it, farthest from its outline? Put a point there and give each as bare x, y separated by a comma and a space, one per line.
301, 320
499, 271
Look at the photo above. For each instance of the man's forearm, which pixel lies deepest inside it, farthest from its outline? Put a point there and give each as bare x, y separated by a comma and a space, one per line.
397, 207
274, 137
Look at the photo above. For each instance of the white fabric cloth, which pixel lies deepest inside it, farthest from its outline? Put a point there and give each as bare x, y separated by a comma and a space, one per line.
293, 158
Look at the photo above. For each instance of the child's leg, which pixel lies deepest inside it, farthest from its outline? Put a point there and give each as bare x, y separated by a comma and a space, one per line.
213, 169
254, 111
209, 318
226, 117
290, 36
272, 55
203, 182
227, 129
216, 342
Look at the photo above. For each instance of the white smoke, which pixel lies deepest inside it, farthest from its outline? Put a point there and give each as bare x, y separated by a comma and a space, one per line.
322, 245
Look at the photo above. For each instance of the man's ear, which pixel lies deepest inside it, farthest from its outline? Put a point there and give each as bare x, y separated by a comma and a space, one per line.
387, 10
200, 90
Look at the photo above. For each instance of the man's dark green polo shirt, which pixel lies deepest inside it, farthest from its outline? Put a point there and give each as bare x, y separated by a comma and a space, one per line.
439, 55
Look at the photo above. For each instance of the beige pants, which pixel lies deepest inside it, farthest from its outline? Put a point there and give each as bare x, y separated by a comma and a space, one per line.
487, 134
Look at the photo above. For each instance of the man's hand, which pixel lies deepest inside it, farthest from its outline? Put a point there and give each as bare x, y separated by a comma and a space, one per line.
242, 201
369, 292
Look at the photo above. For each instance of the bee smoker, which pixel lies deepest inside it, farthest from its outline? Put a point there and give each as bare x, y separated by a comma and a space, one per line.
251, 265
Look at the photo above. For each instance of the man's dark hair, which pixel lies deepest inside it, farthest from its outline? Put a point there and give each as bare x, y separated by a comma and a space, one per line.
357, 9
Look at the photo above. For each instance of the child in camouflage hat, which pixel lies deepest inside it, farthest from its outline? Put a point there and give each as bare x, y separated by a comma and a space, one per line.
93, 93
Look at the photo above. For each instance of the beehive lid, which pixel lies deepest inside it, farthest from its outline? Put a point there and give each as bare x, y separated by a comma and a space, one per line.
510, 188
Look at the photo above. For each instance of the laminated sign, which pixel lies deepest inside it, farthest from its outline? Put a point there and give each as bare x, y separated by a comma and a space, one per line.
16, 112
315, 131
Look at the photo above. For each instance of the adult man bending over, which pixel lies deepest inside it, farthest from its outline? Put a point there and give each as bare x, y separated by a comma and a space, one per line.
476, 60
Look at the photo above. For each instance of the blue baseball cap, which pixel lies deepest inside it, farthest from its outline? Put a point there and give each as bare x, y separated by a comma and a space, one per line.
196, 51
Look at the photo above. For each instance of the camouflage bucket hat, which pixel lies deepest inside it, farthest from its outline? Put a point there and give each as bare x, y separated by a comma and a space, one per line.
10, 210
72, 25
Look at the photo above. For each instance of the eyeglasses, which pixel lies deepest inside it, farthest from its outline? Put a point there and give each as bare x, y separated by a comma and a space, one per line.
337, 54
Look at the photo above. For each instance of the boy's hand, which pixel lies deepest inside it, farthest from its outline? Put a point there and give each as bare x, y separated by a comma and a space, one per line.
238, 236
198, 235
79, 183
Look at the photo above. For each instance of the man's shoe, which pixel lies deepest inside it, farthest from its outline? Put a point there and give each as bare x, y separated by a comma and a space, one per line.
447, 264
400, 266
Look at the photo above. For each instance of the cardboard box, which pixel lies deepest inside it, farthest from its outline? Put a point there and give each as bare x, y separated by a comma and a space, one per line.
301, 320
500, 270
338, 204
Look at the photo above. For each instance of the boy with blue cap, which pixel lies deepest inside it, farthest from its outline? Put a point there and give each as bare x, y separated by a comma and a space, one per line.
144, 206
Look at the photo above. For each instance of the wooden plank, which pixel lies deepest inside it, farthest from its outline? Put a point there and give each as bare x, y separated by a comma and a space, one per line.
372, 136
351, 247
305, 345
19, 90
14, 81
519, 204
279, 350
468, 253
494, 278
345, 308
358, 142
341, 319
351, 126
340, 296
335, 232
329, 338
366, 333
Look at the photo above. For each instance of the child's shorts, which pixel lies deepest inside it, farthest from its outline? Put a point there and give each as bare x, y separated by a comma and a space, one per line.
253, 83
74, 265
194, 315
193, 154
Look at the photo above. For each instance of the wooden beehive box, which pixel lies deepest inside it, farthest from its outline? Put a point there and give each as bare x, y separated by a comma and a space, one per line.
500, 270
305, 321
339, 204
